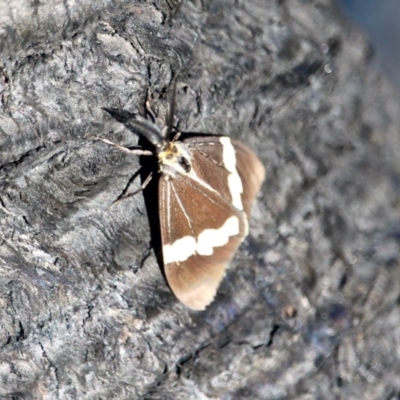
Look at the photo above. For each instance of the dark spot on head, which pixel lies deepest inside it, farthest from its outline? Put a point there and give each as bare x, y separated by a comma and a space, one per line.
185, 164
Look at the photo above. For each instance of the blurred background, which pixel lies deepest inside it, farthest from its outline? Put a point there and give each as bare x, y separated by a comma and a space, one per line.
380, 20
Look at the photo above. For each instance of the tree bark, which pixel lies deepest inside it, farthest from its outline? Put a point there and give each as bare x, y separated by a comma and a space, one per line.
310, 306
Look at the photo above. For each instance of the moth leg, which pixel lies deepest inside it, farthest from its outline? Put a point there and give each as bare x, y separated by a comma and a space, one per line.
176, 136
139, 152
142, 187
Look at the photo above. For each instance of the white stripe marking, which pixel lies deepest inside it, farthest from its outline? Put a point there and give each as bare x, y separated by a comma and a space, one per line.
236, 189
228, 156
180, 250
187, 246
234, 182
210, 238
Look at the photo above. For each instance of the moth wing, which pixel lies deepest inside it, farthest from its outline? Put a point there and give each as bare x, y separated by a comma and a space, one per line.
251, 171
226, 154
204, 216
200, 232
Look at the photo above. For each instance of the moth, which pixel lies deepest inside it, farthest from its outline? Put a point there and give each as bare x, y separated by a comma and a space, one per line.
207, 185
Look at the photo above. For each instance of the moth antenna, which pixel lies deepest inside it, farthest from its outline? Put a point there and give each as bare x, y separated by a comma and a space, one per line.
139, 126
169, 117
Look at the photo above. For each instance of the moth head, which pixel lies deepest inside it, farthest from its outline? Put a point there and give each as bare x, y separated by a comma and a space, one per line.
174, 158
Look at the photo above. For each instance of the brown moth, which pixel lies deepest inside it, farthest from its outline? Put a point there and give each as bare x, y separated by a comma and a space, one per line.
207, 185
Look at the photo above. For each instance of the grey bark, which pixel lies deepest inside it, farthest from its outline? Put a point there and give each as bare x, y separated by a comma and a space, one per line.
310, 306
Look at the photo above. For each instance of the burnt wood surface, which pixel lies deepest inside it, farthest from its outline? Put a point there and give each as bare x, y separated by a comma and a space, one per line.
310, 306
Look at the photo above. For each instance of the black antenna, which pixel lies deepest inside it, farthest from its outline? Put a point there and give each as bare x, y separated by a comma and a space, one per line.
169, 116
139, 126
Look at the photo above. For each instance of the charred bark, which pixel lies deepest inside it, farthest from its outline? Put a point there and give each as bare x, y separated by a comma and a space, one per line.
309, 307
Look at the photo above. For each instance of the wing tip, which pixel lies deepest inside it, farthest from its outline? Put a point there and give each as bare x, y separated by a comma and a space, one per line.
199, 298
196, 291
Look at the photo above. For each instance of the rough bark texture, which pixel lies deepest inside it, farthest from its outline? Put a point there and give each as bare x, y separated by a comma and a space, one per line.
310, 306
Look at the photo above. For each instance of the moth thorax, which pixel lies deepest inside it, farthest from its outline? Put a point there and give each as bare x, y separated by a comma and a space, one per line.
175, 158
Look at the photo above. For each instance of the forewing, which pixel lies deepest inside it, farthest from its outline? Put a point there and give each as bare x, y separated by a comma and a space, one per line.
217, 160
251, 172
204, 215
200, 232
